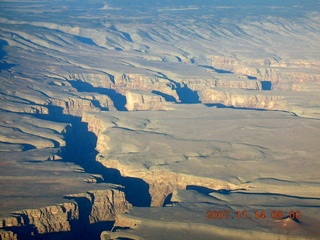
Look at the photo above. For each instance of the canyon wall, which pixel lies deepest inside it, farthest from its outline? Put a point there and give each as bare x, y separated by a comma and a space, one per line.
88, 208
163, 183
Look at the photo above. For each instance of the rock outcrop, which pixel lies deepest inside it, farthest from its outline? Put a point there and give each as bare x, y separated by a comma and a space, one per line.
49, 219
88, 208
104, 205
7, 235
73, 106
243, 100
139, 101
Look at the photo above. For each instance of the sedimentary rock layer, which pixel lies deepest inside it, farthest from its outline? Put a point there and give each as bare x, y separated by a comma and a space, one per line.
88, 208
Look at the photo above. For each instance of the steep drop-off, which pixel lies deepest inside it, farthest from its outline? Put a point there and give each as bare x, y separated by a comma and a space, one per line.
69, 220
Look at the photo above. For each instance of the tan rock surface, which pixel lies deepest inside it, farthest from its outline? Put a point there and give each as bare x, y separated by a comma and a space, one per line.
105, 205
139, 101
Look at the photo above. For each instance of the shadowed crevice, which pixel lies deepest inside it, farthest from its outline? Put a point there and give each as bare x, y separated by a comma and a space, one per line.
118, 99
207, 191
252, 77
80, 226
168, 201
186, 95
27, 232
86, 40
135, 189
3, 64
2, 52
80, 149
220, 105
266, 85
167, 97
217, 70
24, 146
82, 229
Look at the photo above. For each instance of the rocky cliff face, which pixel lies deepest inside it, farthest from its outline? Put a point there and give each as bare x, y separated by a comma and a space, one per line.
36, 222
88, 208
137, 101
49, 219
163, 183
104, 205
74, 106
243, 100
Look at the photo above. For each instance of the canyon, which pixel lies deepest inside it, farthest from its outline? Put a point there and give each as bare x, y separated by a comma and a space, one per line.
128, 121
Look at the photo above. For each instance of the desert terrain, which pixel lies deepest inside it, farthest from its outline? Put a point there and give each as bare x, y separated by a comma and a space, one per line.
159, 120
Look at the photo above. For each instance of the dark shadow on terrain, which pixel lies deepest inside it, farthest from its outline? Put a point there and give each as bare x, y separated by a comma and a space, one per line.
6, 66
167, 97
117, 228
80, 149
186, 95
220, 105
217, 70
199, 189
127, 36
80, 143
118, 99
82, 229
222, 71
97, 104
207, 191
27, 232
25, 147
266, 85
85, 208
252, 78
3, 64
136, 190
178, 58
86, 40
294, 218
2, 52
168, 201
